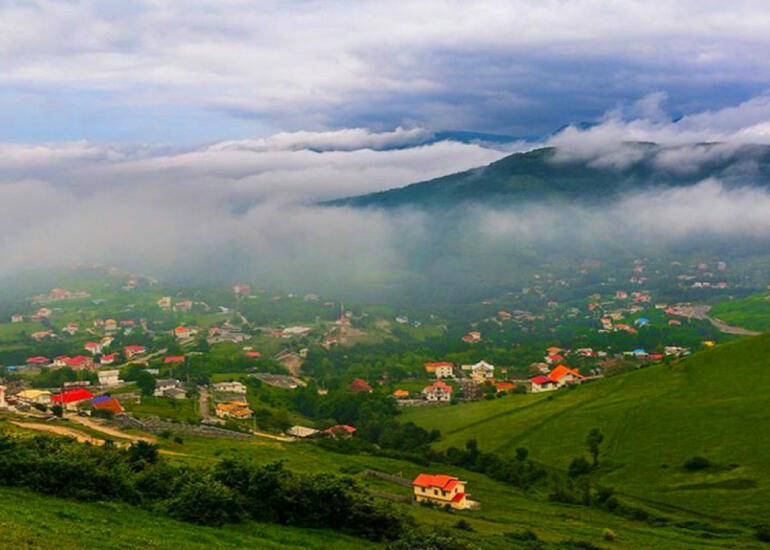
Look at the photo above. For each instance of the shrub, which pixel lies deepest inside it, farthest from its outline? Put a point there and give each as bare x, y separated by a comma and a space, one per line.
609, 534
763, 532
578, 467
204, 501
697, 463
463, 525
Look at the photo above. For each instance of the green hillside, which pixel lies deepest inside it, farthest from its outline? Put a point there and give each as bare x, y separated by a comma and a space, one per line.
752, 312
31, 521
715, 404
540, 175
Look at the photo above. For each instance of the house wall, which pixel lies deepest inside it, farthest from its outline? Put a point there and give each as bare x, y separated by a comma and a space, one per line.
442, 498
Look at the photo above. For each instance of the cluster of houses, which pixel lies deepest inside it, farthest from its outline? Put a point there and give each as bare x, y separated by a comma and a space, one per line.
72, 400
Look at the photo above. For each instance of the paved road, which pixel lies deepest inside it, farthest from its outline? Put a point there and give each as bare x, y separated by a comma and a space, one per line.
700, 311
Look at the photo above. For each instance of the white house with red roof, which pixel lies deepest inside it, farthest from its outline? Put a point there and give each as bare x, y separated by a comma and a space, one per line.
182, 332
93, 347
472, 337
438, 391
542, 383
443, 490
108, 359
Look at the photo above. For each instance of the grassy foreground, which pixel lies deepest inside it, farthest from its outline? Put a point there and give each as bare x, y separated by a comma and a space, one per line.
31, 521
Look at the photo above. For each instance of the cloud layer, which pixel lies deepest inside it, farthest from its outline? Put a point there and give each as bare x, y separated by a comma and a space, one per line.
206, 69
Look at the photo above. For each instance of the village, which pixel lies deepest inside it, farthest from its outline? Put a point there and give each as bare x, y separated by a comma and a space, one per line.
203, 366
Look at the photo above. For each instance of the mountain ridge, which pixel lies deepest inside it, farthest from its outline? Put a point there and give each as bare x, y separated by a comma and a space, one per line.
551, 173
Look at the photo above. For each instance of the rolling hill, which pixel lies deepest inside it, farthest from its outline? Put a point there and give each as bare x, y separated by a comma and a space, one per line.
752, 312
715, 404
542, 174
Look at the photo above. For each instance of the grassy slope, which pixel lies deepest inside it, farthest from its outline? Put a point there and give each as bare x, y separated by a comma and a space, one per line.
504, 508
28, 520
752, 312
715, 404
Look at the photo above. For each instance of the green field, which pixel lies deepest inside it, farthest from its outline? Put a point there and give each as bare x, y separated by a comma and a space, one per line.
31, 521
714, 404
752, 312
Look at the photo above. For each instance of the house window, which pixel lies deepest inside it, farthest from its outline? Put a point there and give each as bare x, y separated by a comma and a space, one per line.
435, 491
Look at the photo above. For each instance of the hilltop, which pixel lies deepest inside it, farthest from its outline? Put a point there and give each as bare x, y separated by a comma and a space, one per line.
548, 173
714, 404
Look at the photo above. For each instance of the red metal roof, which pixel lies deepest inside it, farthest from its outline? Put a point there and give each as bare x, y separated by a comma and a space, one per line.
539, 380
441, 481
174, 359
458, 497
72, 396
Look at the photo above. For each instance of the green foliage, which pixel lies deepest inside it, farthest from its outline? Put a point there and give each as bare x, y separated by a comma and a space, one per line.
146, 383
593, 442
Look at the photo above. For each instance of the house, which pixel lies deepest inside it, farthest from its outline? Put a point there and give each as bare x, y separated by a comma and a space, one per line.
253, 354
17, 318
233, 409
230, 387
71, 328
471, 389
80, 362
400, 394
93, 347
542, 383
110, 325
340, 431
480, 371
564, 375
41, 397
445, 370
167, 385
109, 377
183, 305
443, 490
41, 335
505, 386
642, 322
359, 385
242, 289
438, 391
3, 403
164, 303
430, 366
504, 316
472, 337
38, 360
70, 399
554, 358
107, 403
60, 361
108, 359
302, 432
134, 351
183, 332
174, 359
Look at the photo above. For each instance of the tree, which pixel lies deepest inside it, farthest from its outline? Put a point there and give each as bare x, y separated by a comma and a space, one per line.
593, 442
146, 383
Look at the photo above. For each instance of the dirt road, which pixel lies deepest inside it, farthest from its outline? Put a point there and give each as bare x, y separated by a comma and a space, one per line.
82, 437
89, 423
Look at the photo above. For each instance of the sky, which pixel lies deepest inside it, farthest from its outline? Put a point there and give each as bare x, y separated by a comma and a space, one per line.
192, 139
210, 70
